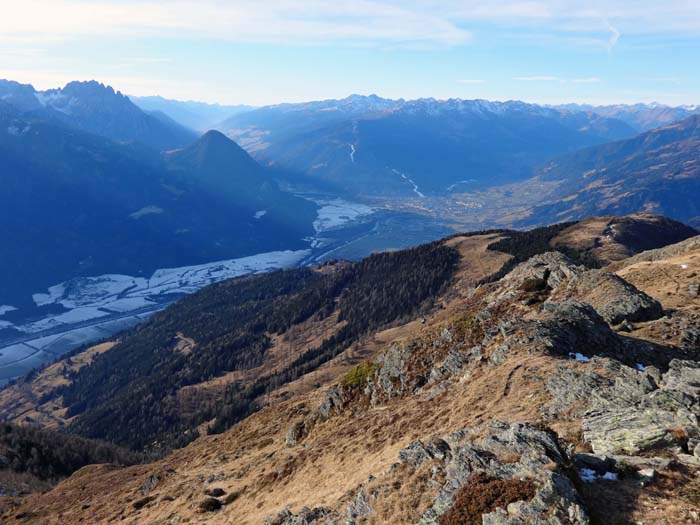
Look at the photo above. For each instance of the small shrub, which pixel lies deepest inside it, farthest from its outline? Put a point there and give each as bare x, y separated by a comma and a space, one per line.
215, 492
232, 497
139, 504
358, 376
209, 505
680, 437
483, 494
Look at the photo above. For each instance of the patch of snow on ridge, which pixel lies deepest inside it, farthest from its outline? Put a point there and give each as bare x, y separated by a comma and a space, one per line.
260, 214
579, 357
57, 101
587, 475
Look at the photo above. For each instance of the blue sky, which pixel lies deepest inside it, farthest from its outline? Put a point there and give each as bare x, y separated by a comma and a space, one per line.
269, 51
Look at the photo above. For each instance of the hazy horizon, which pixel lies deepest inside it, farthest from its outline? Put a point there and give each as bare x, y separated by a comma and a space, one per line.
348, 95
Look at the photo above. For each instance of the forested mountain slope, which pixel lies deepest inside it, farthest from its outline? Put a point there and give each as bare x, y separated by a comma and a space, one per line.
657, 172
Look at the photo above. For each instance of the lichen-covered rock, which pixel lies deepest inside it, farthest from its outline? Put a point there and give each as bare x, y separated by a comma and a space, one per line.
683, 376
635, 414
334, 401
634, 429
359, 507
149, 484
501, 451
572, 327
306, 516
552, 268
571, 390
295, 433
612, 297
626, 387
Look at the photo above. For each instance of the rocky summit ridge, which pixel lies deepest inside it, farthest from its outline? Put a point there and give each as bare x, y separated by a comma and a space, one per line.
558, 394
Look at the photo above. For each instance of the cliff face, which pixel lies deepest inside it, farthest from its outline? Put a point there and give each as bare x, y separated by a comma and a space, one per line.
557, 393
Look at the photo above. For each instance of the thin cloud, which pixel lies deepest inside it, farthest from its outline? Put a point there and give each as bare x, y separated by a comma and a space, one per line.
589, 80
470, 81
361, 22
537, 79
614, 35
274, 21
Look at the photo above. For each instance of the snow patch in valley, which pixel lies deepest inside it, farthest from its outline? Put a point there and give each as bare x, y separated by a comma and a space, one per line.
89, 298
260, 214
6, 308
188, 279
334, 213
146, 210
90, 291
352, 153
77, 315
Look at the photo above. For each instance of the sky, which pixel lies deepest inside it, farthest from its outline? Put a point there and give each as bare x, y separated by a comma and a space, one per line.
270, 51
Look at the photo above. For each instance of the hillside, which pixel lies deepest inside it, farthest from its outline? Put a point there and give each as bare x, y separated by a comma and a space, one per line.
570, 390
370, 145
33, 459
93, 206
603, 240
657, 172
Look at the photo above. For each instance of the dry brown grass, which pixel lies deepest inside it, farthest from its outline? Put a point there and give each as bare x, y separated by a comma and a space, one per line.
669, 500
339, 455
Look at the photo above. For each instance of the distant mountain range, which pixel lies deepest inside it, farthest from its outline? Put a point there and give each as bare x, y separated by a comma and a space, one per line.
78, 203
195, 115
642, 117
657, 171
96, 108
372, 145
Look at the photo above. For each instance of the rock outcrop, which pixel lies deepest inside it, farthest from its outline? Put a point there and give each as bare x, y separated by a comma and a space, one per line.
501, 453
